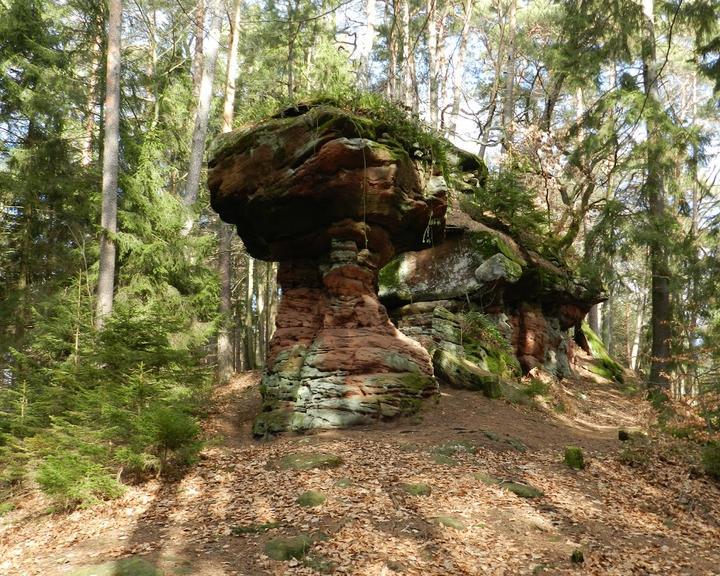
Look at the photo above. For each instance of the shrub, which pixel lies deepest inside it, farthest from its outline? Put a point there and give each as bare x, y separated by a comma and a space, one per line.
73, 479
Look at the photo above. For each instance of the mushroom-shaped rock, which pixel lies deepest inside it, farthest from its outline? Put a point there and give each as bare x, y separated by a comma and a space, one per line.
332, 197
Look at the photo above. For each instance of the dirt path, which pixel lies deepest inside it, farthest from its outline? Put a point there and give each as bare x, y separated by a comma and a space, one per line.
648, 518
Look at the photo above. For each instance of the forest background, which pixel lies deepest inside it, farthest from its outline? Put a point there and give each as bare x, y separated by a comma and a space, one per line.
123, 297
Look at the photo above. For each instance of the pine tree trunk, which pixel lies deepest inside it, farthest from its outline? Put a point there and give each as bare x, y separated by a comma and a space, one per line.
509, 90
410, 96
655, 189
225, 356
202, 112
260, 323
111, 151
459, 69
196, 67
250, 358
432, 41
367, 41
96, 58
392, 41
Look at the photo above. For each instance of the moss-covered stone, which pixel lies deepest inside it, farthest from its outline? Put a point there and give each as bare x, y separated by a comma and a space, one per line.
310, 499
254, 528
272, 422
418, 489
284, 549
344, 483
450, 522
461, 373
577, 557
574, 457
522, 490
605, 366
307, 461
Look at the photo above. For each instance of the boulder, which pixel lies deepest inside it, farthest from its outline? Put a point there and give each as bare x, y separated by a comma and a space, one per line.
332, 197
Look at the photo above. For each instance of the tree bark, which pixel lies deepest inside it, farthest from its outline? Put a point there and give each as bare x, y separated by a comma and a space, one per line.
659, 381
367, 41
202, 112
196, 67
410, 96
459, 69
111, 153
508, 112
432, 41
225, 355
250, 359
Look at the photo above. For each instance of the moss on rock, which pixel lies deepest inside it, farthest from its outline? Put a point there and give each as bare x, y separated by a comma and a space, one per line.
310, 499
284, 549
308, 461
461, 373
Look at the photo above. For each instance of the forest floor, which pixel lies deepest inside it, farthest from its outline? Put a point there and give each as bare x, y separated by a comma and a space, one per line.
638, 507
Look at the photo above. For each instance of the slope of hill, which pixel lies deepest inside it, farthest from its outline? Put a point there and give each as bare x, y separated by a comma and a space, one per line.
468, 486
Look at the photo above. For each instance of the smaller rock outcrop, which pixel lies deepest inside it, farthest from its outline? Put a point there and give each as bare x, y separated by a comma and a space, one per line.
483, 297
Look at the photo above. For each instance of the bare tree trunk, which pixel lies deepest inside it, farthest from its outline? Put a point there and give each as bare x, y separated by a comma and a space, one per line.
224, 343
196, 67
367, 41
410, 96
432, 41
607, 322
459, 69
96, 58
391, 90
293, 30
225, 347
111, 161
509, 92
260, 324
637, 339
250, 358
202, 112
655, 189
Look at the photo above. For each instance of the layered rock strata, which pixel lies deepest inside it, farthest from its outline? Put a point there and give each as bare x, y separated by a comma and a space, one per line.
533, 306
333, 198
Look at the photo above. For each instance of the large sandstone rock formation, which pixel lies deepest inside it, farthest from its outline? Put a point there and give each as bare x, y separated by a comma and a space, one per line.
333, 198
337, 197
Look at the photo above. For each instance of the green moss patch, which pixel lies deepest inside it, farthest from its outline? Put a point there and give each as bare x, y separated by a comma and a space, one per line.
284, 549
308, 461
450, 522
419, 489
310, 499
574, 457
461, 373
522, 490
254, 528
605, 366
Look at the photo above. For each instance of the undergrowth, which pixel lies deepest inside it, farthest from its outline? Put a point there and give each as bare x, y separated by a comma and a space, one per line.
123, 406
